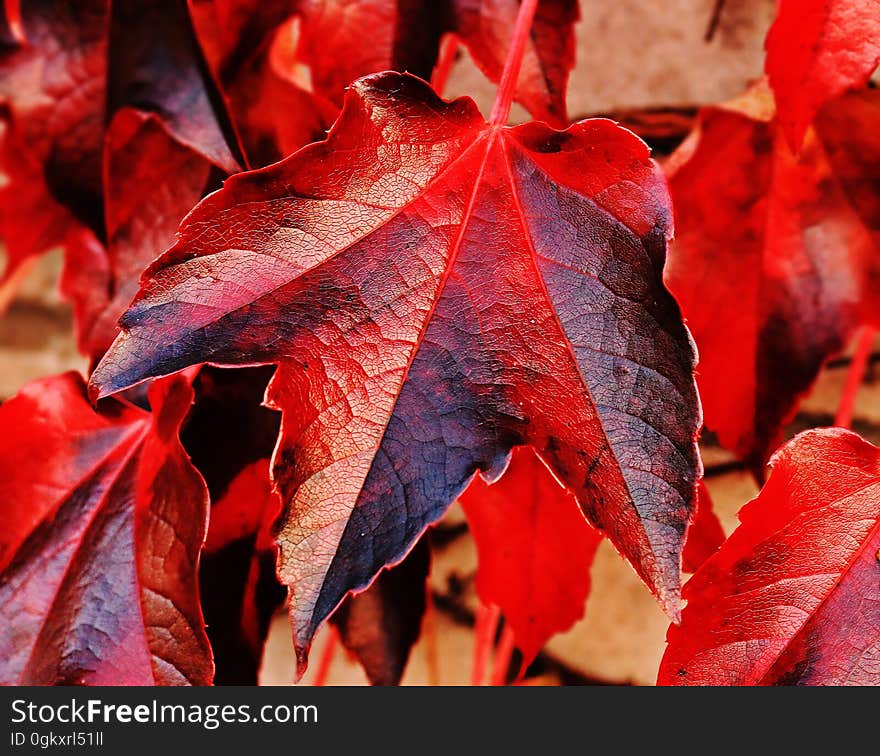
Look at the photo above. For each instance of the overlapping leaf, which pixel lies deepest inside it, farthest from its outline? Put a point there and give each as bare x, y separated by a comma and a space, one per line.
239, 590
775, 260
284, 65
230, 438
437, 291
535, 550
152, 181
40, 404
793, 596
79, 63
816, 51
57, 109
380, 625
705, 534
78, 67
109, 517
251, 47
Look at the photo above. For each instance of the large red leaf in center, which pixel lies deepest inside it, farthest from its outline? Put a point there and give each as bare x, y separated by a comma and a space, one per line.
436, 291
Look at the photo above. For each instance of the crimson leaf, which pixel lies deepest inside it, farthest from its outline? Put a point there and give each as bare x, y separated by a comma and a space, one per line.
817, 50
437, 290
793, 596
705, 534
251, 47
104, 589
535, 550
775, 260
78, 64
151, 182
405, 36
380, 625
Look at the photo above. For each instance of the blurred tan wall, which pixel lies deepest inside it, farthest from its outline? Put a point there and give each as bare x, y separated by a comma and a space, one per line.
639, 53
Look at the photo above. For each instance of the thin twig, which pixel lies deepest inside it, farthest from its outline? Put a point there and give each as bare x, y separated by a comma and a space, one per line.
445, 61
854, 377
503, 655
484, 641
507, 85
327, 655
714, 21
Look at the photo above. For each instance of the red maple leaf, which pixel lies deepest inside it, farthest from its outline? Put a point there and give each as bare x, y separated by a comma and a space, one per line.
816, 51
775, 259
24, 195
437, 290
792, 596
535, 549
109, 517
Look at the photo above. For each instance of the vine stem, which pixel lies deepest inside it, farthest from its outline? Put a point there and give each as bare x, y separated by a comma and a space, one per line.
507, 85
9, 287
487, 626
854, 377
440, 74
503, 655
429, 633
327, 654
714, 20
12, 9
